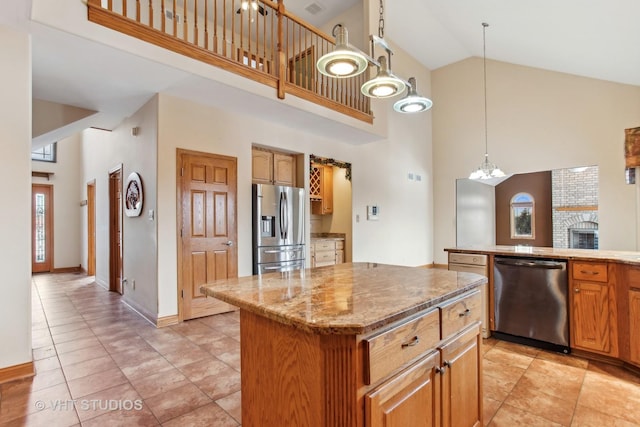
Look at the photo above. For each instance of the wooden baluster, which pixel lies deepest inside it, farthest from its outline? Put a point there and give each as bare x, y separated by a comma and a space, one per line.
264, 41
150, 14
273, 45
124, 8
241, 31
195, 22
233, 30
215, 25
175, 19
137, 10
185, 33
206, 24
282, 61
162, 18
249, 12
110, 5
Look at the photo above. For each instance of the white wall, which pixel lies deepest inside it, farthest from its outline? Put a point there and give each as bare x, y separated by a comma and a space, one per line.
537, 120
67, 212
15, 217
101, 152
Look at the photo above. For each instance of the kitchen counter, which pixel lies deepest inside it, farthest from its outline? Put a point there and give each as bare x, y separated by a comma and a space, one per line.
327, 236
351, 298
356, 343
624, 257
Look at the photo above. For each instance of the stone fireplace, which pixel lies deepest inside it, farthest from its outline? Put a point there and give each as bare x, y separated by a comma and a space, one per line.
575, 207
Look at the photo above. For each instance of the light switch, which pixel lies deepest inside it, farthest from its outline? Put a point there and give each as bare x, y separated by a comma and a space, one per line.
151, 214
372, 212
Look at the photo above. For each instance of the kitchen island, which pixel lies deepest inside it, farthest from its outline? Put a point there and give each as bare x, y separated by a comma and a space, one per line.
358, 344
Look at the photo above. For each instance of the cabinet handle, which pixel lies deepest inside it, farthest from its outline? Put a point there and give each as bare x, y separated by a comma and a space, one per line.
441, 370
576, 290
415, 340
446, 364
594, 273
465, 313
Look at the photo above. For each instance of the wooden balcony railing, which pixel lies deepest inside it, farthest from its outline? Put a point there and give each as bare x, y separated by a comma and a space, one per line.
259, 40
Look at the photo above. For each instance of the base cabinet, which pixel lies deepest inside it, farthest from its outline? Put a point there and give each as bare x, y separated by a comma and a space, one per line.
462, 380
634, 326
412, 398
594, 308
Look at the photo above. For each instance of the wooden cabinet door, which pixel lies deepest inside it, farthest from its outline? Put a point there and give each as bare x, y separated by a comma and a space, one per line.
462, 379
327, 190
634, 325
591, 316
410, 399
262, 166
283, 169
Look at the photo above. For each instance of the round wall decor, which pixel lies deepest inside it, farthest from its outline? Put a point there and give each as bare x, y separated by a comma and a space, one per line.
133, 195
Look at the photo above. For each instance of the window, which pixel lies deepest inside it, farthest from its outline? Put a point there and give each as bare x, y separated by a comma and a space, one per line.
522, 216
45, 154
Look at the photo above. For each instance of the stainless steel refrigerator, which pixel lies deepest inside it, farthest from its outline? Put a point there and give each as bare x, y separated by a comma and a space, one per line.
278, 228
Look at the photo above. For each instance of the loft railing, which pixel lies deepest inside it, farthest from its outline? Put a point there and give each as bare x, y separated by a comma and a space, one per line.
259, 40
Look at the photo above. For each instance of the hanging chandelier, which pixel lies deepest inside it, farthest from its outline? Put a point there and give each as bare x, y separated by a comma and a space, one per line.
486, 169
348, 61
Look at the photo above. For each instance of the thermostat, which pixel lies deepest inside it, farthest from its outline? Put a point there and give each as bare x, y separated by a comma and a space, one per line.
372, 212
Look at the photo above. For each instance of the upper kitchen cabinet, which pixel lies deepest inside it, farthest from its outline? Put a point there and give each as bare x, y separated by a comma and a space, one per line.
321, 189
272, 167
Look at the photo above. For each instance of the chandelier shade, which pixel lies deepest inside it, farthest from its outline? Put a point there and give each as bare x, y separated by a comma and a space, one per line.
344, 61
385, 84
412, 102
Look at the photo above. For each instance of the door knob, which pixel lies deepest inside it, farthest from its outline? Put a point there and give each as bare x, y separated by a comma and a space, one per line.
229, 243
576, 290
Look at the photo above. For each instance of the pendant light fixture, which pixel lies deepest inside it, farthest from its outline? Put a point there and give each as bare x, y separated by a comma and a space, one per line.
487, 169
412, 102
345, 60
348, 61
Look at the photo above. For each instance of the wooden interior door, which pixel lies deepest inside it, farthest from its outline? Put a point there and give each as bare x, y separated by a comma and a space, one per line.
41, 228
207, 186
91, 228
115, 230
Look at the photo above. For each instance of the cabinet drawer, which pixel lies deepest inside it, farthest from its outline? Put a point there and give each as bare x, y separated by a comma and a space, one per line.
393, 348
325, 256
591, 271
457, 314
339, 244
325, 245
472, 259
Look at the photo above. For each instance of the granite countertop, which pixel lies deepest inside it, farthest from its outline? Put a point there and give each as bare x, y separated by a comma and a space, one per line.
625, 257
349, 298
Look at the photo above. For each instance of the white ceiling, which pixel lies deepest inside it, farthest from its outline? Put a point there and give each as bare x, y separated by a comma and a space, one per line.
593, 38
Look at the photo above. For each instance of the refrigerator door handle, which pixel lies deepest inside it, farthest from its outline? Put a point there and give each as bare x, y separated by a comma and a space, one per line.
282, 220
286, 216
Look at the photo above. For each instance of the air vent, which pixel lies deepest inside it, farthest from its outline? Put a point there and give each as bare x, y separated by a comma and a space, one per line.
169, 15
314, 8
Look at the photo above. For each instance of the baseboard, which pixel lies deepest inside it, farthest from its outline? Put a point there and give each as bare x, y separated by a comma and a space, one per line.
102, 283
77, 269
146, 315
164, 321
17, 372
443, 266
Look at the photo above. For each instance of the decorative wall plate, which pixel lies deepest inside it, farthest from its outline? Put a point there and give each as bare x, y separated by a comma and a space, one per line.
133, 195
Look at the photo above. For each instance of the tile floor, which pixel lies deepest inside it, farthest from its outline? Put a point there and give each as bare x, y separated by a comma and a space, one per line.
100, 364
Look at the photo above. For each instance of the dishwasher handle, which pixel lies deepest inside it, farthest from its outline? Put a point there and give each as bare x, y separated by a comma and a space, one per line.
547, 265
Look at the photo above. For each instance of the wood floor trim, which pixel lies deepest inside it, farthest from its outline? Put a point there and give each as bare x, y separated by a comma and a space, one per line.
17, 372
164, 321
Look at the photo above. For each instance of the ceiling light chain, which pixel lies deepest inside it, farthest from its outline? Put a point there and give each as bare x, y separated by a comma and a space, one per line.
381, 21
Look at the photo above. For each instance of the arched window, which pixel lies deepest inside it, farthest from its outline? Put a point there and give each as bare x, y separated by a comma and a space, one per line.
522, 216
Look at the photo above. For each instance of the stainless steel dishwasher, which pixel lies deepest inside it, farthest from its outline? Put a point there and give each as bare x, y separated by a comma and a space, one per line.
531, 303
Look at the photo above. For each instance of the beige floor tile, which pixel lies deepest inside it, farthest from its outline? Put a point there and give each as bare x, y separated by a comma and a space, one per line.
96, 382
537, 402
587, 417
78, 344
611, 396
46, 364
497, 389
509, 416
176, 402
557, 380
564, 359
82, 354
186, 356
489, 409
508, 357
44, 352
205, 416
517, 348
105, 401
159, 383
233, 405
125, 417
88, 367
